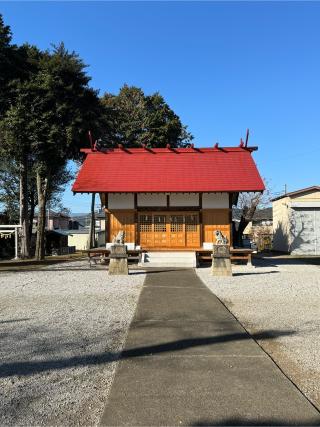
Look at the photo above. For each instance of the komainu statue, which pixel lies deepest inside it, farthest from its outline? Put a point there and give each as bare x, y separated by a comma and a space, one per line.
119, 238
220, 238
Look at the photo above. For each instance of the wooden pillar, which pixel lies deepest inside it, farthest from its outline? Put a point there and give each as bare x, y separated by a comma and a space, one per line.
107, 230
200, 219
136, 221
107, 214
230, 218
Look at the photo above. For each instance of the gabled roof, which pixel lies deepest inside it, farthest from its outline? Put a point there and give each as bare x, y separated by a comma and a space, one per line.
169, 170
298, 192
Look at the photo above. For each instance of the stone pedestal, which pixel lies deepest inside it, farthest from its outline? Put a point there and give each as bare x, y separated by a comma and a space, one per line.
221, 263
118, 264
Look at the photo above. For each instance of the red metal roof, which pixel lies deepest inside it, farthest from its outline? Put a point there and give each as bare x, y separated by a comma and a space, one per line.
168, 170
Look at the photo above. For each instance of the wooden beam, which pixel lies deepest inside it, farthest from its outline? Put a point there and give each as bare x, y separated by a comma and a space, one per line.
166, 209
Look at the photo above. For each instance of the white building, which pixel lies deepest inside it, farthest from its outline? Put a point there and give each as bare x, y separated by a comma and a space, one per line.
296, 222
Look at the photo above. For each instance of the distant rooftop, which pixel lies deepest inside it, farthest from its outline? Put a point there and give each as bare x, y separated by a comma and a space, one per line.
298, 192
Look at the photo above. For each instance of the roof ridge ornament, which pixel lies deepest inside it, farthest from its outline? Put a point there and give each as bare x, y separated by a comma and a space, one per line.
247, 138
91, 140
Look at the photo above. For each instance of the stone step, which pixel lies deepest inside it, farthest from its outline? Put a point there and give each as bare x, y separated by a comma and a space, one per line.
173, 254
169, 259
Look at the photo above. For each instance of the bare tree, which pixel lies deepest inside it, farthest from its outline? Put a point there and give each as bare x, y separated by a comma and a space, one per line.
248, 203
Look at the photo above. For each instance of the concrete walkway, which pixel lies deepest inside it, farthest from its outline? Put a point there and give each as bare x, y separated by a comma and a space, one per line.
188, 362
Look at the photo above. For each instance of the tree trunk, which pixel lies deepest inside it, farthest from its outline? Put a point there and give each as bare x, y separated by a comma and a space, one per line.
246, 217
92, 233
25, 241
239, 233
32, 206
42, 187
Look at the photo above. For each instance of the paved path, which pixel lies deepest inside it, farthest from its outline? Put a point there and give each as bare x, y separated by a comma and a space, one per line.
187, 361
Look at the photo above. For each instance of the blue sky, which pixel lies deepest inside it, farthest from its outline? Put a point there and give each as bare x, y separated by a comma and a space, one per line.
222, 67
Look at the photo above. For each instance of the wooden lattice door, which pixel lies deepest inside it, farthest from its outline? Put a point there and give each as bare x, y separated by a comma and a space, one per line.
192, 230
177, 232
146, 231
160, 231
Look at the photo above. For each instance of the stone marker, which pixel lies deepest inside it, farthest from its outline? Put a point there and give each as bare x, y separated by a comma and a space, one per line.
221, 263
118, 264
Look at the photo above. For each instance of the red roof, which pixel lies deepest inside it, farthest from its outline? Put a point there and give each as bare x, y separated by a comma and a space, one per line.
168, 170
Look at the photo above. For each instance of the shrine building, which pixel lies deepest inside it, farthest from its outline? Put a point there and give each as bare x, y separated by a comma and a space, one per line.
168, 198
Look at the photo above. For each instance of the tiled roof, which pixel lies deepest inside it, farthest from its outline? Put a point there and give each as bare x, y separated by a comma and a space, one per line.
169, 170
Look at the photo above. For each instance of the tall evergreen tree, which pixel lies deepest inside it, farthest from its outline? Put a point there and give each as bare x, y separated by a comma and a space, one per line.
50, 109
135, 118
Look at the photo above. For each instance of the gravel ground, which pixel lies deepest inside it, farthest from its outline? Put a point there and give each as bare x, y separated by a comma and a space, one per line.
280, 301
61, 330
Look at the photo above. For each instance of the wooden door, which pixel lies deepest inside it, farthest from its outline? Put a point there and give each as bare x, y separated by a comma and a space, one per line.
192, 230
160, 231
215, 219
177, 231
146, 230
122, 221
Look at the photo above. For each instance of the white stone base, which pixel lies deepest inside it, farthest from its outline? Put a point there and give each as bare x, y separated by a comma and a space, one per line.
130, 246
208, 246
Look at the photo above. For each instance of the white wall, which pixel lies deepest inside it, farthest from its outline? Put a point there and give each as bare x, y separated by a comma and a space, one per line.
281, 224
182, 199
120, 201
215, 201
154, 199
80, 241
209, 200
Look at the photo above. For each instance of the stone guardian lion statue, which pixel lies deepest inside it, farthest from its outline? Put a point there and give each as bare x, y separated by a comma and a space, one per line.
119, 238
220, 238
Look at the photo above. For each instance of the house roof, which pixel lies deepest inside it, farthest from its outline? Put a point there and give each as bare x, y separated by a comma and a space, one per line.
263, 214
259, 215
298, 192
54, 214
168, 170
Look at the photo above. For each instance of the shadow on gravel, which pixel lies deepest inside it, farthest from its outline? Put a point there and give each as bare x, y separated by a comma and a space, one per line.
254, 273
34, 367
276, 261
253, 422
95, 268
14, 320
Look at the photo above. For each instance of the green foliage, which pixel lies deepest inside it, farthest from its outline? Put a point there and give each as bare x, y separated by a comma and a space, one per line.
134, 118
51, 111
16, 64
9, 190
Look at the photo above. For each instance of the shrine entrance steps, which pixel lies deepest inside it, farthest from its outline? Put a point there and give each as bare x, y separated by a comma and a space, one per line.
169, 259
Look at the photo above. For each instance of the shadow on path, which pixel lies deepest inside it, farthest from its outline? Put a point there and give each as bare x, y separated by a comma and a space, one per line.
26, 368
251, 422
